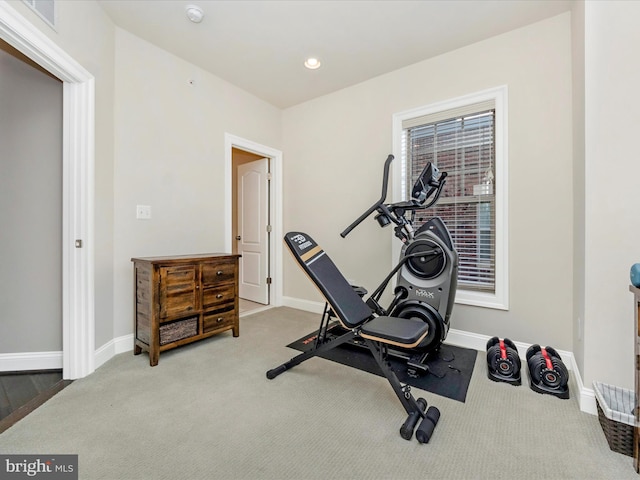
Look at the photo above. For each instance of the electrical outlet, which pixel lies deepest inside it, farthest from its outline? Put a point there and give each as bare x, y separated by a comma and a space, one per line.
143, 212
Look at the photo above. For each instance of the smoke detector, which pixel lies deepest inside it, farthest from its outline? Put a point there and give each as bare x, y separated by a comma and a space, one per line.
195, 13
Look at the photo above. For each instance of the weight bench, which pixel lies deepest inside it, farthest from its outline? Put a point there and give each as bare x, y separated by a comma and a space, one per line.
357, 319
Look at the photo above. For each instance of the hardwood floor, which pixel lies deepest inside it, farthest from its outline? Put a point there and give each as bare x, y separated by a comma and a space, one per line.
248, 305
22, 392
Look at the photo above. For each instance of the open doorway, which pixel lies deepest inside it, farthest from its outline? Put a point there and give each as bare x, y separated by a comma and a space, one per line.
251, 227
254, 221
31, 213
78, 338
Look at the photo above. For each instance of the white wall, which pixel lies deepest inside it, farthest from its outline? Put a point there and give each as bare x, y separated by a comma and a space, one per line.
612, 170
30, 208
169, 154
335, 146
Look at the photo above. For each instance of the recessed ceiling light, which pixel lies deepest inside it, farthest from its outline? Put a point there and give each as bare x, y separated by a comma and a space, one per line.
195, 13
312, 63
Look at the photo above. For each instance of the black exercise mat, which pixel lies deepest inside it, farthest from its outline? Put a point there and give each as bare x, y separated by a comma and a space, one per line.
450, 370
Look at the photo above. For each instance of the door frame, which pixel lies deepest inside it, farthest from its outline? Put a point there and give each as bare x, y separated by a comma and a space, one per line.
78, 151
275, 206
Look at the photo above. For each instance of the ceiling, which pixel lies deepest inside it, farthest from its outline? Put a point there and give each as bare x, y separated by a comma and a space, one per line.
260, 46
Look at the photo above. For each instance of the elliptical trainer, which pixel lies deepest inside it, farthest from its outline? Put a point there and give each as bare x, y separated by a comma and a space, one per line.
427, 271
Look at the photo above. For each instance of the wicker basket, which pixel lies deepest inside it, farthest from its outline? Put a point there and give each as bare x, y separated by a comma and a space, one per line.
615, 413
174, 331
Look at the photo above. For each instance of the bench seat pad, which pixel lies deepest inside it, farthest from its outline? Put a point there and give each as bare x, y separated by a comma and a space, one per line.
404, 332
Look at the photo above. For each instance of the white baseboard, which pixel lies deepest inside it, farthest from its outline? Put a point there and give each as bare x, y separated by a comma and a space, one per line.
476, 341
112, 348
18, 362
468, 339
586, 398
256, 310
305, 305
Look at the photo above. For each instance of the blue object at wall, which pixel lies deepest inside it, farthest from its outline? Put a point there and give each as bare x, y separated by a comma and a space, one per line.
635, 274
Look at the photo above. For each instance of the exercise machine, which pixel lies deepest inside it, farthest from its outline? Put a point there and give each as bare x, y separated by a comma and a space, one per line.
426, 273
378, 333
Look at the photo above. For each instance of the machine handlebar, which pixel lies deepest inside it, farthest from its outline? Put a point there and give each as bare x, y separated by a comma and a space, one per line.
429, 182
375, 206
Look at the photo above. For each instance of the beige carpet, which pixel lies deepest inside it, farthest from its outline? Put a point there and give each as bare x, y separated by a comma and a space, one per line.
207, 411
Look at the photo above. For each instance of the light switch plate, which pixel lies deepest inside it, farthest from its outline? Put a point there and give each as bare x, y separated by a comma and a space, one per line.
143, 212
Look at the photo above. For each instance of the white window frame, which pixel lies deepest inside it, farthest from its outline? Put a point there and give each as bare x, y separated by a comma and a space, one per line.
33, 5
500, 298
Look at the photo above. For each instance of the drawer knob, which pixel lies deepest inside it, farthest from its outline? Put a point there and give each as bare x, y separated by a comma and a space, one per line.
219, 295
220, 319
219, 272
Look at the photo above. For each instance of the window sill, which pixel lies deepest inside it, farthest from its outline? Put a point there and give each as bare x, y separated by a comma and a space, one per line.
478, 299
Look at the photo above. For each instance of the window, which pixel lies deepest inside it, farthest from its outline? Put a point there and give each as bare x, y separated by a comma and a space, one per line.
466, 138
46, 9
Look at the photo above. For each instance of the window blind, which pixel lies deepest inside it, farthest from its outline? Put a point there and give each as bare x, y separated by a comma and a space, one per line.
461, 142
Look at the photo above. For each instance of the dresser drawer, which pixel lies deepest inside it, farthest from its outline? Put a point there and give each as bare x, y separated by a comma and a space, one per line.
217, 296
217, 273
216, 320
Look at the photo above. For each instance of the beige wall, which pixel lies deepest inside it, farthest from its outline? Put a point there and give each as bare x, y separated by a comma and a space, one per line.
30, 208
169, 154
335, 147
612, 171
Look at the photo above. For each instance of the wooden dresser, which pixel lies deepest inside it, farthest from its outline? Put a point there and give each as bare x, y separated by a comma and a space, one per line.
181, 299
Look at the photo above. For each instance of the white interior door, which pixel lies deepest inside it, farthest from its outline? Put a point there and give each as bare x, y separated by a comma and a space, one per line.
253, 236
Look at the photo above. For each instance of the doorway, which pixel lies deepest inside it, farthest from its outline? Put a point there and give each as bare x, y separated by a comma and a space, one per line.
251, 227
31, 217
253, 220
78, 338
